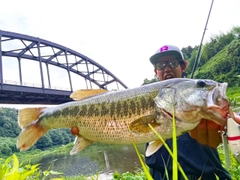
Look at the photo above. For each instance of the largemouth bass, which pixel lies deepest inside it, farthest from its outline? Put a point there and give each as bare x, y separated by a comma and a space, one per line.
120, 116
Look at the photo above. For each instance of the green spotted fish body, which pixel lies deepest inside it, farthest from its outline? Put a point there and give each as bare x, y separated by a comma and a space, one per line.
120, 116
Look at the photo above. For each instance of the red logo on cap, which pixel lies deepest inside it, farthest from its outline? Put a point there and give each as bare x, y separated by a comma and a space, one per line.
164, 48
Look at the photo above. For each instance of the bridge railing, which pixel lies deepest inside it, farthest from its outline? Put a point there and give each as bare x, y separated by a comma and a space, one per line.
33, 85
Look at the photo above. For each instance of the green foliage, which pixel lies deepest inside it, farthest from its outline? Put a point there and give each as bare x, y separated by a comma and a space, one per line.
187, 51
6, 150
236, 32
233, 95
44, 142
56, 137
12, 170
8, 146
8, 123
9, 130
146, 81
66, 138
219, 58
224, 66
234, 165
191, 62
140, 175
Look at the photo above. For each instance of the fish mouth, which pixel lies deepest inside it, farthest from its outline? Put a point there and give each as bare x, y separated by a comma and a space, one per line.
169, 115
218, 104
166, 113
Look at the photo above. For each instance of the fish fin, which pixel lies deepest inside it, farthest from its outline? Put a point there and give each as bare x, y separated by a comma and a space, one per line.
31, 128
141, 124
153, 147
79, 144
86, 93
29, 136
28, 115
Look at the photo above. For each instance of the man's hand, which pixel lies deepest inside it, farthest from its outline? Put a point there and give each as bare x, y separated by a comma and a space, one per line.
237, 118
207, 133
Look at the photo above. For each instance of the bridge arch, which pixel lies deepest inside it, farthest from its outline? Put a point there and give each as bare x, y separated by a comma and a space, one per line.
24, 47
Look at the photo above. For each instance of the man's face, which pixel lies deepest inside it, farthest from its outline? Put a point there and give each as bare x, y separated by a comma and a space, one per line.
169, 72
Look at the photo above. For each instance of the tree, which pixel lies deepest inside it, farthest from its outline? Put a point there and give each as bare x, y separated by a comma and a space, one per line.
187, 51
44, 142
66, 137
191, 62
8, 122
146, 81
6, 150
236, 32
56, 136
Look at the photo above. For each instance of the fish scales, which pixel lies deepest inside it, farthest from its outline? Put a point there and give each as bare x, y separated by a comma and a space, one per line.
106, 114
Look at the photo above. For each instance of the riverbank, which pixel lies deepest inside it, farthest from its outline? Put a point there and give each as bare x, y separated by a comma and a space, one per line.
30, 155
99, 161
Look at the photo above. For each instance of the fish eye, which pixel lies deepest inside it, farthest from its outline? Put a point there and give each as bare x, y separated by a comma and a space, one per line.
201, 83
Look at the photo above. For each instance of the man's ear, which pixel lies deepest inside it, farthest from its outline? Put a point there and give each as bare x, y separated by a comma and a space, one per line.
155, 71
183, 68
184, 65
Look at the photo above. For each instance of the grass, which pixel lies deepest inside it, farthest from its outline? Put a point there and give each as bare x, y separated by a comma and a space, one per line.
13, 168
233, 95
234, 169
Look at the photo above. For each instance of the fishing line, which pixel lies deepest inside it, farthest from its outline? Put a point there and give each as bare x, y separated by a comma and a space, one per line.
196, 62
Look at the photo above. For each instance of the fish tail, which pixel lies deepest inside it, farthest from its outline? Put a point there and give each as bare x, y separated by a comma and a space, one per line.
32, 130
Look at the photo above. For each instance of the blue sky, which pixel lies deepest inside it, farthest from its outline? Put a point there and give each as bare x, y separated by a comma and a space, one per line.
120, 35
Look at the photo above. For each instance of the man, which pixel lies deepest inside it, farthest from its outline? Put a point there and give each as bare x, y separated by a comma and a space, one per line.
196, 159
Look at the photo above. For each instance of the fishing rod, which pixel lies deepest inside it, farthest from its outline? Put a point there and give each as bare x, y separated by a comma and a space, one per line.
196, 62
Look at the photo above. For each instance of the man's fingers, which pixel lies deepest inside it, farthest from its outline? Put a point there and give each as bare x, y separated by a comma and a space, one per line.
237, 118
234, 116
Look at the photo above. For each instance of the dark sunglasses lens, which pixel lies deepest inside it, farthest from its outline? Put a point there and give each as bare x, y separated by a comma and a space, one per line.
160, 65
173, 64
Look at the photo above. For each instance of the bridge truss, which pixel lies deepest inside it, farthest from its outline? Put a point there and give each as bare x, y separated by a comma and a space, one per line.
23, 47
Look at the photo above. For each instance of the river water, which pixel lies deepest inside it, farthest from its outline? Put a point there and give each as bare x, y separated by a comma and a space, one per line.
95, 159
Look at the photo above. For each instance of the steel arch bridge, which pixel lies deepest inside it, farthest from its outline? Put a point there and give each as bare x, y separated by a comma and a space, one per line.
21, 48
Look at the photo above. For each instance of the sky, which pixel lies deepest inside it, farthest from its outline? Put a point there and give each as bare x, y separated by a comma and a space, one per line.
120, 35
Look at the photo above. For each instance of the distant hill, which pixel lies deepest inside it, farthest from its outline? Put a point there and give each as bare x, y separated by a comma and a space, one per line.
224, 66
220, 58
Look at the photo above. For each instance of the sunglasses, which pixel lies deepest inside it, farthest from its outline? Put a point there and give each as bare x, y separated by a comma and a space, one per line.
172, 64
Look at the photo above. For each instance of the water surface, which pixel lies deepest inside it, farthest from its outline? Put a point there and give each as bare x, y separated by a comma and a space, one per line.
95, 159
